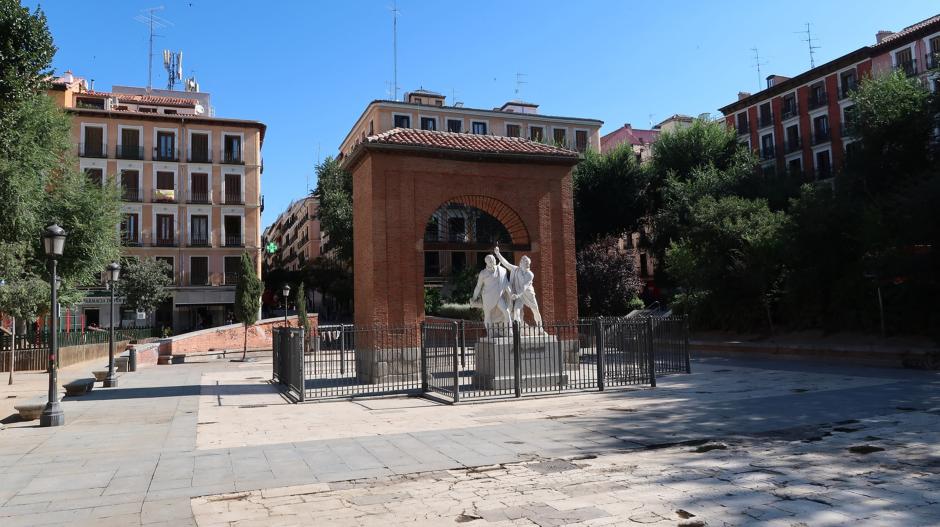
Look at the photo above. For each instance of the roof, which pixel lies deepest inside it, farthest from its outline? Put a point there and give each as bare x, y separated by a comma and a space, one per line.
142, 99
475, 145
907, 31
130, 114
628, 134
422, 91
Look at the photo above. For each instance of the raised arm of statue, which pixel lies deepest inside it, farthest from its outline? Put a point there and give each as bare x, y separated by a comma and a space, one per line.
504, 262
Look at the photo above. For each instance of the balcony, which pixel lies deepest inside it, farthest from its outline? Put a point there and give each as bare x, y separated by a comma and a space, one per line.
97, 150
847, 89
232, 158
232, 198
129, 152
199, 241
131, 239
847, 130
131, 194
932, 60
766, 120
161, 195
818, 99
160, 241
199, 157
203, 197
820, 137
909, 67
789, 111
198, 279
229, 278
744, 129
164, 154
233, 240
767, 153
792, 145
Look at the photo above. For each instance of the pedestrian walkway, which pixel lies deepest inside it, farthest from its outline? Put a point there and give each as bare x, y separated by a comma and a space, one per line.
138, 453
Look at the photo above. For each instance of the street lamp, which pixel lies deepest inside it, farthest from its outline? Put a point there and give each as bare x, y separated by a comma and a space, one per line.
285, 292
53, 241
114, 273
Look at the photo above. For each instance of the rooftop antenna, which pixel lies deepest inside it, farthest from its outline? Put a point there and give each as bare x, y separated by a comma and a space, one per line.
757, 64
395, 12
173, 64
153, 22
651, 120
809, 42
520, 81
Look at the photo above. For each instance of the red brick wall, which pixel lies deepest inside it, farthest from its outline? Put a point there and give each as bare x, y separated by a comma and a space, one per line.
231, 337
395, 194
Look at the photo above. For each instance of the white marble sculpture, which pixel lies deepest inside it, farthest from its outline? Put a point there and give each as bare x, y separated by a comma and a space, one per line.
493, 289
521, 287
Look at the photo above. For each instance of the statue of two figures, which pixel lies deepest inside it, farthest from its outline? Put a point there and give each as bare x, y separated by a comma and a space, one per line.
505, 289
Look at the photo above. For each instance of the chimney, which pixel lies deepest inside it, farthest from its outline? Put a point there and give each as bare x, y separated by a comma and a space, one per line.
881, 35
743, 95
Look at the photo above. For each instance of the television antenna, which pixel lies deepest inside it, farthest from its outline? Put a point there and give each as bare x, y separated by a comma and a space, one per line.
395, 12
149, 18
809, 43
173, 64
757, 64
520, 80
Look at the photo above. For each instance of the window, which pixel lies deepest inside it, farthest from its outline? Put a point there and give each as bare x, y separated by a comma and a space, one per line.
795, 167
199, 230
580, 140
166, 146
793, 139
905, 61
439, 102
432, 263
537, 133
789, 106
95, 176
168, 111
130, 229
233, 231
743, 127
933, 58
513, 130
428, 123
83, 102
168, 260
94, 142
766, 116
146, 110
199, 188
848, 120
164, 231
454, 125
165, 189
130, 144
199, 148
478, 127
817, 95
820, 129
823, 166
767, 146
560, 136
233, 189
371, 128
130, 185
402, 121
847, 83
232, 145
232, 266
199, 270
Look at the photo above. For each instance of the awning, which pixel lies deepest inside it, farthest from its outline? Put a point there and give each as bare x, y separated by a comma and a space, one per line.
204, 297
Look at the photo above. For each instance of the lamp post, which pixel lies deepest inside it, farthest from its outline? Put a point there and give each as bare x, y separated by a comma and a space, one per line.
114, 273
54, 244
285, 292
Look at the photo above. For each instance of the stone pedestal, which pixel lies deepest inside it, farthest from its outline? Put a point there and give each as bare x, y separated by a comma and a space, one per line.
541, 363
388, 366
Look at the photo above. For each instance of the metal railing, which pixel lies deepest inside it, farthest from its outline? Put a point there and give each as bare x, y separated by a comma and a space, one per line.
932, 60
233, 240
129, 152
909, 67
817, 100
458, 359
767, 153
790, 146
159, 241
163, 195
288, 361
199, 157
743, 129
199, 241
98, 150
131, 194
130, 239
229, 278
198, 279
847, 89
766, 120
233, 198
232, 158
821, 136
163, 154
200, 197
32, 349
790, 110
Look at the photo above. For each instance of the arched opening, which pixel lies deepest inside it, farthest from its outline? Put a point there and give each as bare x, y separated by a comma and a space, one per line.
463, 230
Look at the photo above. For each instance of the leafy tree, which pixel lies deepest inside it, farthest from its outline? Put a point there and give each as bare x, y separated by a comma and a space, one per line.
335, 211
462, 284
607, 278
332, 279
432, 300
247, 296
609, 194
300, 300
26, 52
144, 283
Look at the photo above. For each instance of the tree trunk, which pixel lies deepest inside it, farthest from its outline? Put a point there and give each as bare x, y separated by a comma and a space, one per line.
245, 349
12, 351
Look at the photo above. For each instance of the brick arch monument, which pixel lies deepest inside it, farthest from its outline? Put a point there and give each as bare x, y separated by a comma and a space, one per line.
401, 177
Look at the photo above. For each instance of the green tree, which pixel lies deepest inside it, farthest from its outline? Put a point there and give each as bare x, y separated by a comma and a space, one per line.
300, 300
335, 210
145, 283
607, 279
247, 296
26, 52
609, 194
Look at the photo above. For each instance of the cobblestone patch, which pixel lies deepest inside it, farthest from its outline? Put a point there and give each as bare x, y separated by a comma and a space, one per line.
753, 481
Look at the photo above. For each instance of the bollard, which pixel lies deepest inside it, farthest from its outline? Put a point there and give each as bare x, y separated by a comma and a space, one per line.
517, 358
132, 358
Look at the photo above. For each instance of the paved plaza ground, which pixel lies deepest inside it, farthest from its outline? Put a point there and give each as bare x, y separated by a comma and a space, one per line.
735, 443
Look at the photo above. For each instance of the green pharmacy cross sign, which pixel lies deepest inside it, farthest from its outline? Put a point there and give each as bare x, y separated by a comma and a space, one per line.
271, 247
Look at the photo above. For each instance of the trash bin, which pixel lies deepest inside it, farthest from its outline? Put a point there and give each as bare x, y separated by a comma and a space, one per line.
132, 361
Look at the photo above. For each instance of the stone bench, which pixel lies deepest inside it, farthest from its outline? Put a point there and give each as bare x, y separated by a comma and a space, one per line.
121, 364
31, 408
79, 387
100, 375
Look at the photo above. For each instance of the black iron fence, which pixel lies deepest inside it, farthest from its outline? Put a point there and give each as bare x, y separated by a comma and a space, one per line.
460, 359
288, 359
32, 349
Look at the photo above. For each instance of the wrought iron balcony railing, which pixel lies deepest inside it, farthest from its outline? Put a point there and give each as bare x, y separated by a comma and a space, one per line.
129, 152
97, 150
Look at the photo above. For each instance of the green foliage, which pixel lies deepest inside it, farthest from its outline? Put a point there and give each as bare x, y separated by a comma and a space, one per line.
332, 278
26, 52
462, 285
609, 194
300, 301
607, 278
145, 283
432, 300
460, 311
247, 296
335, 212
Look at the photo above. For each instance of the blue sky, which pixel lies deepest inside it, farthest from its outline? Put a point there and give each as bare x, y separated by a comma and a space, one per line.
307, 69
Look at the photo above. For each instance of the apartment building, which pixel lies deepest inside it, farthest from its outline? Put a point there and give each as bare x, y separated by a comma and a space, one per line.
642, 140
190, 186
798, 124
297, 236
427, 110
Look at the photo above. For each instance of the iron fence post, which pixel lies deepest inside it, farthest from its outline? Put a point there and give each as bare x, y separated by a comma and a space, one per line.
456, 363
650, 352
274, 348
601, 349
517, 358
300, 365
463, 345
685, 344
424, 358
342, 348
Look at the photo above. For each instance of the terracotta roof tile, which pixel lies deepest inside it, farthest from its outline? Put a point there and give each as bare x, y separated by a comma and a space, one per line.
908, 30
142, 99
468, 142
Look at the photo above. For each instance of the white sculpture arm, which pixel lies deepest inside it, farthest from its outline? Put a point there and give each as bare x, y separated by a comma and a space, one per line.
504, 262
479, 287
